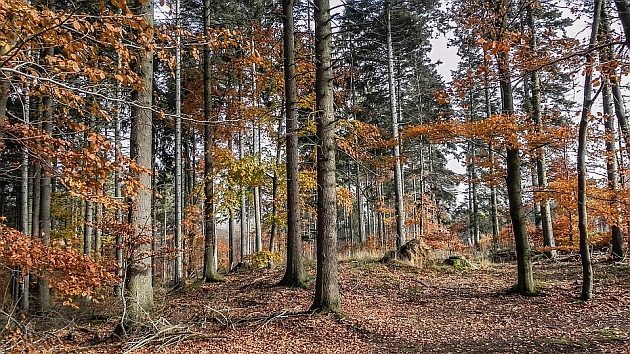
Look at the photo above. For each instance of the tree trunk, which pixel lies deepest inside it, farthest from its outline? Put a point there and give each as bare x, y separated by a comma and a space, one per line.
585, 254
178, 271
139, 287
243, 211
623, 8
525, 283
118, 196
210, 242
294, 274
612, 94
88, 222
541, 160
43, 290
398, 181
23, 279
327, 297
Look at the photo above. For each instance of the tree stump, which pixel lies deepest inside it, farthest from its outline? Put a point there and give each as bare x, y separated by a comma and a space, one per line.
413, 252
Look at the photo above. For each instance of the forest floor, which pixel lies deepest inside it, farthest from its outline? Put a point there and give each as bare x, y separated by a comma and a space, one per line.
390, 308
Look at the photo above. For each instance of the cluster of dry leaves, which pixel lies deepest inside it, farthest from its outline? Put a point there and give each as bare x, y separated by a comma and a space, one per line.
386, 309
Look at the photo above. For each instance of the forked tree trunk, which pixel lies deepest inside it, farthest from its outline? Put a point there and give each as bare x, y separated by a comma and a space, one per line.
585, 254
327, 297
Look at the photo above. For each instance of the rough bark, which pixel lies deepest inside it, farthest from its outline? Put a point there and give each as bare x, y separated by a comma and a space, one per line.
327, 297
294, 274
585, 254
138, 272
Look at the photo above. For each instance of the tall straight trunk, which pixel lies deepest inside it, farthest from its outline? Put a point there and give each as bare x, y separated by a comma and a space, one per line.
138, 272
243, 204
525, 283
256, 151
585, 254
541, 159
23, 280
327, 297
623, 8
118, 195
210, 242
612, 170
398, 181
294, 274
5, 89
360, 206
231, 218
178, 271
43, 289
612, 93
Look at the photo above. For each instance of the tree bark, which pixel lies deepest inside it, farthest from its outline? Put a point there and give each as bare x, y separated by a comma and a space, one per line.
585, 254
294, 274
541, 160
327, 297
612, 97
210, 242
178, 271
139, 287
24, 279
398, 179
525, 283
623, 8
43, 289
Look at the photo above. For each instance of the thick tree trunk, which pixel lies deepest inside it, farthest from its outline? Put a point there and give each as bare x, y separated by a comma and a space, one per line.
525, 283
139, 287
585, 254
294, 274
210, 241
327, 297
118, 196
88, 222
398, 178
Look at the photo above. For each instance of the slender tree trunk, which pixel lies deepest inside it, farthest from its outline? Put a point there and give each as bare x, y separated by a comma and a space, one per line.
139, 287
327, 297
118, 196
88, 222
210, 242
398, 181
43, 290
243, 211
24, 279
541, 160
585, 253
178, 272
294, 274
525, 283
612, 97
